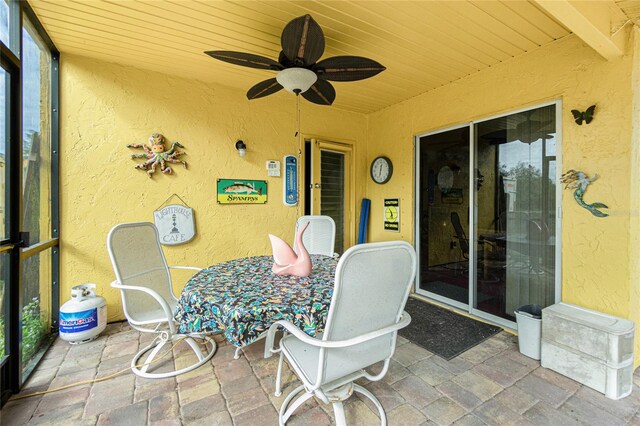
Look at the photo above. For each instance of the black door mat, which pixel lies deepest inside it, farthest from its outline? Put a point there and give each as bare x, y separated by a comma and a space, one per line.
443, 332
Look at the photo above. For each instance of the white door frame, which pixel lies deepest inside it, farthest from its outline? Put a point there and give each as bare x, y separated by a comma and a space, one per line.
417, 219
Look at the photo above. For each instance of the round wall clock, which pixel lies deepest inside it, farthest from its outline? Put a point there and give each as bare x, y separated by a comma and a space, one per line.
445, 179
381, 170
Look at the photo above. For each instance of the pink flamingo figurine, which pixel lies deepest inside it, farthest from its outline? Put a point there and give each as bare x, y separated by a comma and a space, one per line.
286, 261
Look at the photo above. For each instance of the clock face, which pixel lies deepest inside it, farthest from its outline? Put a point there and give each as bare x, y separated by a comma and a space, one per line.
381, 170
445, 179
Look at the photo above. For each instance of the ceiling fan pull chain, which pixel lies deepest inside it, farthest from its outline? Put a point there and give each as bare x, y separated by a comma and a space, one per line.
297, 135
297, 116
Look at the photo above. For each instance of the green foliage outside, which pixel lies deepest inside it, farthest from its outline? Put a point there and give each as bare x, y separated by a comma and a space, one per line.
33, 329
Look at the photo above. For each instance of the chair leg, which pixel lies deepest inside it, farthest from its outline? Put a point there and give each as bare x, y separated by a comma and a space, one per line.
287, 410
151, 357
142, 369
365, 392
336, 397
279, 376
195, 348
338, 410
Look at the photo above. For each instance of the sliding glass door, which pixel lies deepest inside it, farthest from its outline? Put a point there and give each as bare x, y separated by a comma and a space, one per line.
443, 225
487, 203
515, 156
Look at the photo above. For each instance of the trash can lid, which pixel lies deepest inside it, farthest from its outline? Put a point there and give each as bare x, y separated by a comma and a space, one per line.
534, 311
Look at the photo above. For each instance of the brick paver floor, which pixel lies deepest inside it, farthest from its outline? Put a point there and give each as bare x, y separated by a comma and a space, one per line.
491, 384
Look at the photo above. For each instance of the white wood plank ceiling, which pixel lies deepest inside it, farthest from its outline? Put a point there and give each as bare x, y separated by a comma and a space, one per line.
424, 45
630, 7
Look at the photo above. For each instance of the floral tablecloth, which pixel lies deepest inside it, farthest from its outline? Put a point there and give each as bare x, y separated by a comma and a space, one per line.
242, 298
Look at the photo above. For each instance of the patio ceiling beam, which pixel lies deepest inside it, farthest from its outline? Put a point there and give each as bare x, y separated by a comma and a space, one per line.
594, 22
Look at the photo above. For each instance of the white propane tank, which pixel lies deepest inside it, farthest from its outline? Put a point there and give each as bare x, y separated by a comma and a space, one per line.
84, 316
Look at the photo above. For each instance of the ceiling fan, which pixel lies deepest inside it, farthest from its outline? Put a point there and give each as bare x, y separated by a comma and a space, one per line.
302, 43
527, 131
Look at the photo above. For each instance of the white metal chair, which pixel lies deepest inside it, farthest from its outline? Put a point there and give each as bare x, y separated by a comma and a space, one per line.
367, 309
320, 236
144, 281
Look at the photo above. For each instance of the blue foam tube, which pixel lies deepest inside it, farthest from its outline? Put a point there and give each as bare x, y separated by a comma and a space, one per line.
364, 220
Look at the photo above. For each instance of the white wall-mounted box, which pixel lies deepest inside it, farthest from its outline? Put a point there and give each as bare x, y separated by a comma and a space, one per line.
589, 347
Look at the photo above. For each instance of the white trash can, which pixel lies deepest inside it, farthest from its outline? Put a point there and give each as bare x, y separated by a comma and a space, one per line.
529, 320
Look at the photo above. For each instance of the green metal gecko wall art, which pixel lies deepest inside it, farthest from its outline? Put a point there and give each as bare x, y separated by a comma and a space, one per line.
579, 180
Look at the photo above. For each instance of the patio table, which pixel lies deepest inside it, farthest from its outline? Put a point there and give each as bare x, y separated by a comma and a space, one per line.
242, 298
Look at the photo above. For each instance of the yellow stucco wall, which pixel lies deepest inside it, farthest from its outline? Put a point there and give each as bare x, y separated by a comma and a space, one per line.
634, 193
106, 106
596, 269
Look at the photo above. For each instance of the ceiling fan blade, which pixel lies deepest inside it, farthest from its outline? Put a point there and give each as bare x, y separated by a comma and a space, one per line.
245, 59
533, 126
347, 68
302, 41
322, 92
264, 88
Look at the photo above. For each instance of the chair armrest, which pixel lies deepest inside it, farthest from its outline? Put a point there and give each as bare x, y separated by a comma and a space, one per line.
193, 268
163, 303
405, 319
188, 268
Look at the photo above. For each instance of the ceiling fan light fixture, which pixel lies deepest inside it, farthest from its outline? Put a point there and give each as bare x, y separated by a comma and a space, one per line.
296, 80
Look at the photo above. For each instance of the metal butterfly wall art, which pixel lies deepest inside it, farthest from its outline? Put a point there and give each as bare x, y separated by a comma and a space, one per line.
585, 116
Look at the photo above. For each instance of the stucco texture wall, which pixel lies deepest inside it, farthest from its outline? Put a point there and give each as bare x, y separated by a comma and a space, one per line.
596, 268
106, 106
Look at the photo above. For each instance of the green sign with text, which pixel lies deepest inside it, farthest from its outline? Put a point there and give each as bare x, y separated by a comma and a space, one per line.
241, 191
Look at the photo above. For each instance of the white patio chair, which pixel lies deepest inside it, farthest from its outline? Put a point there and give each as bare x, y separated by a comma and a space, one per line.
144, 281
367, 309
320, 236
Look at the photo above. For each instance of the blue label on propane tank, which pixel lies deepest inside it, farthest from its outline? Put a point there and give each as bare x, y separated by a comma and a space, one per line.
78, 321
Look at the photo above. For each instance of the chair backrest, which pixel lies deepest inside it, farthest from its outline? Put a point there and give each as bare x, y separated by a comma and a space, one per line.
320, 236
462, 237
371, 289
138, 260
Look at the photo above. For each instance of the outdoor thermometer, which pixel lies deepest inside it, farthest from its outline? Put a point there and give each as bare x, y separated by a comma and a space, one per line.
290, 182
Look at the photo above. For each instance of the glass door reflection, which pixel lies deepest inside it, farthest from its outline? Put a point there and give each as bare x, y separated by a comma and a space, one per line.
515, 217
444, 215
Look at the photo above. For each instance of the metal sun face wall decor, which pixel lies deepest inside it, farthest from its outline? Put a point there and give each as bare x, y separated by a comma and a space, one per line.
579, 180
156, 155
